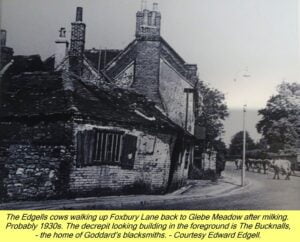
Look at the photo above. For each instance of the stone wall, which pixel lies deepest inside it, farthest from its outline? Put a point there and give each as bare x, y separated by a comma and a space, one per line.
36, 132
35, 171
3, 172
35, 158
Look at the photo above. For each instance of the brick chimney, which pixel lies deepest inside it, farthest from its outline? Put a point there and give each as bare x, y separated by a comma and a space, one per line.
77, 43
61, 47
7, 53
148, 23
148, 53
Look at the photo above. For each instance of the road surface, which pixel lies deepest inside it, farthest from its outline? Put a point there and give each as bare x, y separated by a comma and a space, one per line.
262, 193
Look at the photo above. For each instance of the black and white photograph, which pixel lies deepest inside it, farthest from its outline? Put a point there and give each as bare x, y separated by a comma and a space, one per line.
150, 105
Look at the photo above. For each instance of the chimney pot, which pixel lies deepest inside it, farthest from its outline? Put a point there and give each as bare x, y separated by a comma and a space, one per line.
61, 47
62, 32
144, 5
155, 7
79, 11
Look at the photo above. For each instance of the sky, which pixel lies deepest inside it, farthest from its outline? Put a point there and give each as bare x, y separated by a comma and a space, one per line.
244, 48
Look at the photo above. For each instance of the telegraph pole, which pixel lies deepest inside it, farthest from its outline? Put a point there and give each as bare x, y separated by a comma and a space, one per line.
244, 147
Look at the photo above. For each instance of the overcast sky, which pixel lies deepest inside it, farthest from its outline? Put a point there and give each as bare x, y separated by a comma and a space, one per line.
244, 48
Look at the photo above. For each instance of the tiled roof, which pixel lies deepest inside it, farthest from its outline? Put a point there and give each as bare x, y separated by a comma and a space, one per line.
104, 55
48, 94
32, 94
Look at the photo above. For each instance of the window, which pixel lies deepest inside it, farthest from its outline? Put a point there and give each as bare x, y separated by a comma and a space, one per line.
107, 147
187, 157
96, 147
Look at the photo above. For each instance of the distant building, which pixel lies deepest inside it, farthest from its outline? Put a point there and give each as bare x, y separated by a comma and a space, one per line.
99, 121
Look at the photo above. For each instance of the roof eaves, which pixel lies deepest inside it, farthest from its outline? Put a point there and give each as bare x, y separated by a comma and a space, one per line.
171, 48
122, 53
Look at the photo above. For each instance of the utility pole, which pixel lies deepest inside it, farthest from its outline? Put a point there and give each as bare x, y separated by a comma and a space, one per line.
244, 147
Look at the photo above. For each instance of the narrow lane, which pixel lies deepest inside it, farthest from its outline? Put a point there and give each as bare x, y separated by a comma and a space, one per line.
263, 193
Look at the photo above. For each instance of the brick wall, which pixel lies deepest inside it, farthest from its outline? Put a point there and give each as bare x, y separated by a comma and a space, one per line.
150, 170
147, 70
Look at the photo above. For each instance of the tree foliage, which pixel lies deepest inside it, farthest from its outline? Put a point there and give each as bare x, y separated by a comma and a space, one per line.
213, 113
280, 123
221, 149
236, 144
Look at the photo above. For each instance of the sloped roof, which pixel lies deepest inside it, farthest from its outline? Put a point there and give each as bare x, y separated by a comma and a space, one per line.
166, 51
26, 64
103, 55
48, 94
93, 55
33, 93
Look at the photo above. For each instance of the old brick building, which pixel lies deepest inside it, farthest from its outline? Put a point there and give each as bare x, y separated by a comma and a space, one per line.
98, 122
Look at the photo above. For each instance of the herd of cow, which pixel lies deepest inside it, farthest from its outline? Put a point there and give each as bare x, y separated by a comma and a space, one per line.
277, 165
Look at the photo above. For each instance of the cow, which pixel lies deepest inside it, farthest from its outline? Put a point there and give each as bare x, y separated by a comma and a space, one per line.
265, 164
262, 164
281, 165
250, 163
238, 163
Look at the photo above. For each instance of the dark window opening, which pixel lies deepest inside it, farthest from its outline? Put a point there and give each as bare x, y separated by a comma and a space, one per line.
187, 157
97, 147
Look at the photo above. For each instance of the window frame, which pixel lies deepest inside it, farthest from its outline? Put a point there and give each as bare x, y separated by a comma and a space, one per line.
105, 134
88, 144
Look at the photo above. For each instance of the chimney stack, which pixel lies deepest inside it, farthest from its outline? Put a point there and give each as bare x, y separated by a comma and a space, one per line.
61, 47
6, 53
148, 23
147, 60
3, 37
77, 43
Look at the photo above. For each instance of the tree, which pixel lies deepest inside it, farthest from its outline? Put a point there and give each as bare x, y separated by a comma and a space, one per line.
236, 144
280, 123
213, 112
221, 149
